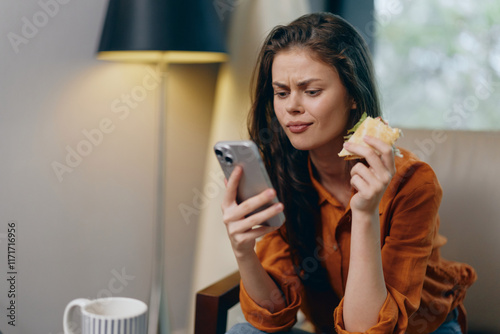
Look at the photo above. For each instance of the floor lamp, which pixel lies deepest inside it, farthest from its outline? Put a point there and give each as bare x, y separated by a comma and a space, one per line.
161, 32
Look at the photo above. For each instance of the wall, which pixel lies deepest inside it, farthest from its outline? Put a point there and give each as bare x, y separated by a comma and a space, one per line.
78, 165
189, 120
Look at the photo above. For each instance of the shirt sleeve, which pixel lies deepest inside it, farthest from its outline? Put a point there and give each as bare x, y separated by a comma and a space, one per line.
273, 252
408, 243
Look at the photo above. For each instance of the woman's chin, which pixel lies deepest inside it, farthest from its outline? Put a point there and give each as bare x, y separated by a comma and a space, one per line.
302, 146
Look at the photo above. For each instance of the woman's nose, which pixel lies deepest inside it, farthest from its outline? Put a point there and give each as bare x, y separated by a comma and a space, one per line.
294, 104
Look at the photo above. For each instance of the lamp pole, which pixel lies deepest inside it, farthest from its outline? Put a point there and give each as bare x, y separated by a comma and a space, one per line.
159, 228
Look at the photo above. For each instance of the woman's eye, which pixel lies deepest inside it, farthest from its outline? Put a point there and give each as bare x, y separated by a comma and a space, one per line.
281, 94
313, 92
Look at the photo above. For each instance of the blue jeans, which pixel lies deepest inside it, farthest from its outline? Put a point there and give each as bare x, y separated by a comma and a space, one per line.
450, 327
246, 328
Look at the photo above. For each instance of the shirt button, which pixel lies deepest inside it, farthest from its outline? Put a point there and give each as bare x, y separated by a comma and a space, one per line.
335, 247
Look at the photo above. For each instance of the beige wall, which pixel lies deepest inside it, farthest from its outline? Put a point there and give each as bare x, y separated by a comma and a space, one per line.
190, 93
87, 230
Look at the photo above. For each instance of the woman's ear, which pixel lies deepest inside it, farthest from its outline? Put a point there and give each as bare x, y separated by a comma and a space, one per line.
353, 105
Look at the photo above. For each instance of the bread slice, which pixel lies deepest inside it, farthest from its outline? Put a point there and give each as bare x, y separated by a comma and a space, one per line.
373, 127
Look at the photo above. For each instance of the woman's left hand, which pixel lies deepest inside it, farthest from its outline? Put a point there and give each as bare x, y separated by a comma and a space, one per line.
371, 179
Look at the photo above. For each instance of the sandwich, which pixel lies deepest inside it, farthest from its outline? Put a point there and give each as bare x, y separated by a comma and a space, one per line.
374, 127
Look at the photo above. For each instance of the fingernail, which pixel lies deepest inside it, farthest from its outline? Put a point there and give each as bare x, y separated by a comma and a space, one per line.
271, 192
279, 206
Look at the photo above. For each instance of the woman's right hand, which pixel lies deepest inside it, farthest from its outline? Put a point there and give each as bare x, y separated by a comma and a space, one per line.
242, 230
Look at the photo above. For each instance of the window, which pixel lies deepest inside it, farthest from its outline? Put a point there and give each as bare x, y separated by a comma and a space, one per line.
438, 63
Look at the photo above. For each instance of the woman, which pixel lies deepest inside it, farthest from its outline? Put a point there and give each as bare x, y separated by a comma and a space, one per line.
359, 251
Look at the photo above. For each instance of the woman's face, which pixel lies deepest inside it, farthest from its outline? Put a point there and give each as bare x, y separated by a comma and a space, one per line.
310, 101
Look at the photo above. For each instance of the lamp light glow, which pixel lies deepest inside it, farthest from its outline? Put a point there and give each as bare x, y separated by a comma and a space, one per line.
184, 57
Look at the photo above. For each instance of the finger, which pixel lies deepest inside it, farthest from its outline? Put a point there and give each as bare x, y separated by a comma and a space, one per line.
385, 150
364, 178
250, 205
358, 183
260, 230
256, 219
363, 172
232, 187
369, 153
250, 236
358, 149
373, 172
382, 164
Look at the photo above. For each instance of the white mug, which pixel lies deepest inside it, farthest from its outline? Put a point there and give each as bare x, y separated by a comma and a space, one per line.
115, 315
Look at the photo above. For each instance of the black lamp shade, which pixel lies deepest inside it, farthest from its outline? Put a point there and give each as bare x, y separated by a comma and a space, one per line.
162, 25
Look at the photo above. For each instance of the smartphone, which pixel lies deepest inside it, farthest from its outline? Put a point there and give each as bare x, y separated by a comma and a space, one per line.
254, 180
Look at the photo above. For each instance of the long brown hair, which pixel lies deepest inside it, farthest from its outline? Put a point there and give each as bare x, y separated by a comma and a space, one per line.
335, 42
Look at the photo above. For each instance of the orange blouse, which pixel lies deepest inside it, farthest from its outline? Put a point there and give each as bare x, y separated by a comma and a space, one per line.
422, 287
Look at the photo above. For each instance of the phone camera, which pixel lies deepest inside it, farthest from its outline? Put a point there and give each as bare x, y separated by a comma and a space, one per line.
218, 153
228, 160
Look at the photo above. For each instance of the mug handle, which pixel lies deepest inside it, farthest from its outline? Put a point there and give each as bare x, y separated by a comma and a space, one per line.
67, 324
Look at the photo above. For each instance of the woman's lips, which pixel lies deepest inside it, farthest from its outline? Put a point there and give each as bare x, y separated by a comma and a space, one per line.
298, 127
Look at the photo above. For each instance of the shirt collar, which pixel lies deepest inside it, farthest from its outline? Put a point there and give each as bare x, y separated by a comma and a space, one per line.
323, 194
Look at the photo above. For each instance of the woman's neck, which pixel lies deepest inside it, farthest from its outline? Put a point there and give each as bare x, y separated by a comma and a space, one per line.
331, 171
327, 162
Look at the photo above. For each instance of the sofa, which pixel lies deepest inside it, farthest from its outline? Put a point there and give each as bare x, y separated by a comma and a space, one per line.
466, 165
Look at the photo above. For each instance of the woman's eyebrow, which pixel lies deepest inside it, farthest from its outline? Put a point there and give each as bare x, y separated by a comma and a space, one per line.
299, 84
279, 84
306, 82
